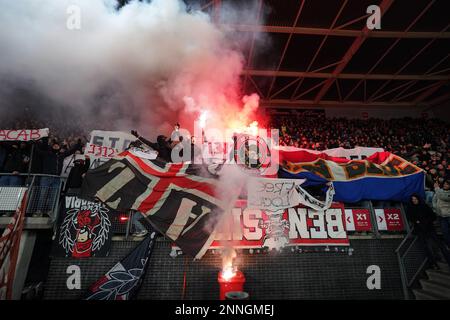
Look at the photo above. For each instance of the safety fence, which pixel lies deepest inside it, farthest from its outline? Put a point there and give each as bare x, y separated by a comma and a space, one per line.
43, 199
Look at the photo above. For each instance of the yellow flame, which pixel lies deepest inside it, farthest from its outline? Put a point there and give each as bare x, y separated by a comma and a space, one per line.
228, 271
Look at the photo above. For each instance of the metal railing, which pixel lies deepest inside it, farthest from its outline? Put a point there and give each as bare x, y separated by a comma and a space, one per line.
410, 269
43, 198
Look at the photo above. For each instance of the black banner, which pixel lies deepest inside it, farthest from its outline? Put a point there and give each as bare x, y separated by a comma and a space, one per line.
123, 281
84, 229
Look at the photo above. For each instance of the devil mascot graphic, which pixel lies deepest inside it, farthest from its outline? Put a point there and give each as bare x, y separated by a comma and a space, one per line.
85, 235
84, 230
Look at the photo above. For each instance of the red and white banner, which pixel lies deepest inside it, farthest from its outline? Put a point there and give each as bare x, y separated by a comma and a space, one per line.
9, 249
300, 226
357, 153
358, 219
96, 151
389, 219
23, 134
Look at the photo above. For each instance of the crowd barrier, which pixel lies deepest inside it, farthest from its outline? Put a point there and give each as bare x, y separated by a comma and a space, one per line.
43, 195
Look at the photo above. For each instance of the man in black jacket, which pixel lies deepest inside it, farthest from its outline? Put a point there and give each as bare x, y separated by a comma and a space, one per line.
15, 163
52, 159
162, 146
76, 174
422, 217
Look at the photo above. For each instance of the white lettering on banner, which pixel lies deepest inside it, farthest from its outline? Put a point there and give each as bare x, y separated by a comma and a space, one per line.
237, 230
318, 232
23, 134
335, 228
112, 139
273, 194
251, 221
300, 226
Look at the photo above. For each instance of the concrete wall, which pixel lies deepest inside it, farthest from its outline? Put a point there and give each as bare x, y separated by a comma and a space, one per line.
287, 275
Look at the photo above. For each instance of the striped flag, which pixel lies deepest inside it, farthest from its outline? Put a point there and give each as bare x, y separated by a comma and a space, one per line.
178, 199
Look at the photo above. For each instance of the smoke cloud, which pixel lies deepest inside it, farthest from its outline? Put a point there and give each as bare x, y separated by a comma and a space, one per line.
145, 65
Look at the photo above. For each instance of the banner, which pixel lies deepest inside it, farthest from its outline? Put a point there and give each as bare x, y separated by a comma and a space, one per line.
23, 134
358, 220
299, 226
122, 282
95, 151
389, 219
308, 200
358, 153
382, 176
111, 140
10, 246
272, 194
84, 229
178, 199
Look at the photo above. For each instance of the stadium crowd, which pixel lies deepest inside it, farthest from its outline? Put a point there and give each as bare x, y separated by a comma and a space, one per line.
424, 142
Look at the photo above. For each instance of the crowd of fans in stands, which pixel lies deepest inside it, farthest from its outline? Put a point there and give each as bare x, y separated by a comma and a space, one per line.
424, 142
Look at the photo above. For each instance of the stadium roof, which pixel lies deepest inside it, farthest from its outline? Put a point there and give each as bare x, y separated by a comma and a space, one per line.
321, 53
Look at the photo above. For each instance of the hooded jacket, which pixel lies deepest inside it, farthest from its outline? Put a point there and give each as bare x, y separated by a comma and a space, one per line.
441, 202
421, 215
162, 146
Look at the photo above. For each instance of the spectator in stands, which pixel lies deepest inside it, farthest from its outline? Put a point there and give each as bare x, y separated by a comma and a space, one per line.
52, 159
16, 163
140, 230
441, 203
77, 173
422, 218
3, 154
162, 145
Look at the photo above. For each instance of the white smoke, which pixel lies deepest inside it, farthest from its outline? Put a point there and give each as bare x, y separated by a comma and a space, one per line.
142, 62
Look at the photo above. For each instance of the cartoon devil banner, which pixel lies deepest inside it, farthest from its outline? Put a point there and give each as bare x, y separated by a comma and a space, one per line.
84, 229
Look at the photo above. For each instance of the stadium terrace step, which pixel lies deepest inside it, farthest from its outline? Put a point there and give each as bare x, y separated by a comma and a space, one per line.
436, 288
439, 276
443, 266
30, 222
425, 295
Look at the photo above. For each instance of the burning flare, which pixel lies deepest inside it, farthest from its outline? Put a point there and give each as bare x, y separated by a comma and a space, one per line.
228, 270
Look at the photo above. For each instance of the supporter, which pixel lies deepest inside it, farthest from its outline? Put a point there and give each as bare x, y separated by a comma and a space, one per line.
441, 202
77, 173
3, 154
16, 162
52, 159
162, 145
422, 217
140, 230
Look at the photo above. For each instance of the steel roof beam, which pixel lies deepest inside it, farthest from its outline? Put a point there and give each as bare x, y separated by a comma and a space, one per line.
325, 75
384, 6
286, 103
339, 32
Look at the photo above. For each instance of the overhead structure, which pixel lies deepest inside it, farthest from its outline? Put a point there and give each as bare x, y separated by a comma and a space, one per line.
305, 53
